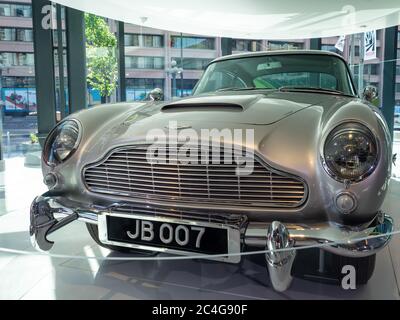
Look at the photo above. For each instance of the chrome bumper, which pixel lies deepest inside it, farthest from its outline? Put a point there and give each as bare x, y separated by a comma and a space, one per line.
47, 215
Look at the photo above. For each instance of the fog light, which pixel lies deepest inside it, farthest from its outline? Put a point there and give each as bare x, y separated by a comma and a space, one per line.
345, 202
50, 180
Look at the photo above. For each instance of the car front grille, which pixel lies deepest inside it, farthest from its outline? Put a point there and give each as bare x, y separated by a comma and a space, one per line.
126, 172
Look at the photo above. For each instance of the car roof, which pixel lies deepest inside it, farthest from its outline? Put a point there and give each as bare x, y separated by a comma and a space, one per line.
274, 53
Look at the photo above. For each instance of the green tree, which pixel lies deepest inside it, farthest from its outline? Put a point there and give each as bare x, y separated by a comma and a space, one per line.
102, 64
103, 74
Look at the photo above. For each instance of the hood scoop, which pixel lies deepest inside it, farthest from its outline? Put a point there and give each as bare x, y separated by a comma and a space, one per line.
208, 107
256, 109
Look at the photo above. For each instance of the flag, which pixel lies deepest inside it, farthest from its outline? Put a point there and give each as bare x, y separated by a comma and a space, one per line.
370, 45
340, 43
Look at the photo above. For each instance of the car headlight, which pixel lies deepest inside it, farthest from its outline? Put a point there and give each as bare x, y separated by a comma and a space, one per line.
350, 152
61, 142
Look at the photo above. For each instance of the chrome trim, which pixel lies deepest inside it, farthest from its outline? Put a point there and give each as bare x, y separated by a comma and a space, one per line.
351, 195
279, 263
179, 213
233, 231
370, 93
60, 211
335, 237
345, 241
51, 136
48, 183
338, 130
331, 237
150, 195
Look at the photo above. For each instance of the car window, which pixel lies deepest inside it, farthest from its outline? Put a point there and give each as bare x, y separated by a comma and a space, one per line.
221, 79
296, 79
275, 71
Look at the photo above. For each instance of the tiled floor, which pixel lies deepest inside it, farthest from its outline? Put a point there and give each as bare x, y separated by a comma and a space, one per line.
46, 277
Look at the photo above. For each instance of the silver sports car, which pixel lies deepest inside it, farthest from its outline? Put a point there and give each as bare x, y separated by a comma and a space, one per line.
273, 151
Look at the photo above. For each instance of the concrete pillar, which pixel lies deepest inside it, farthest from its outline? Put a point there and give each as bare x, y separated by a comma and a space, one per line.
44, 67
76, 59
389, 76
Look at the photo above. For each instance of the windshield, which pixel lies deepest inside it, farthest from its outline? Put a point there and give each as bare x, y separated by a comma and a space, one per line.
296, 71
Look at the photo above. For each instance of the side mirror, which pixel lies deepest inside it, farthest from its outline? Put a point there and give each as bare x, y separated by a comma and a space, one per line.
156, 94
370, 93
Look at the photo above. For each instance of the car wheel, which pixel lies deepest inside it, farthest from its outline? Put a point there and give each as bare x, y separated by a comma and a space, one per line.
94, 233
364, 267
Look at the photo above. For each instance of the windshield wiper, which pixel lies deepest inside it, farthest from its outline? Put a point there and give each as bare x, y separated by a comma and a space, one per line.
312, 89
237, 89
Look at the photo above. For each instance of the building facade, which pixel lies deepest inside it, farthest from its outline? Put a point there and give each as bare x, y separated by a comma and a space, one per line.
17, 73
148, 56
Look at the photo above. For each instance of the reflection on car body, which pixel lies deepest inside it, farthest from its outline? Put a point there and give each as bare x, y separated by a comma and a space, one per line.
322, 163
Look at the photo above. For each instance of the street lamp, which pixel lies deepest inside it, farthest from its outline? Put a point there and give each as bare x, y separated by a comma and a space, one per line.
174, 71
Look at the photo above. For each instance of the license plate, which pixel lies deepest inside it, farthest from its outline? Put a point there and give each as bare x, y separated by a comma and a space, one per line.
159, 234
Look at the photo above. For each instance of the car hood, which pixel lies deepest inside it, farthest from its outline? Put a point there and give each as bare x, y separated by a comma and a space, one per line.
109, 126
292, 141
255, 109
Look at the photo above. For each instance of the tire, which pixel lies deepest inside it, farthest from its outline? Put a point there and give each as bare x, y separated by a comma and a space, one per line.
94, 233
364, 266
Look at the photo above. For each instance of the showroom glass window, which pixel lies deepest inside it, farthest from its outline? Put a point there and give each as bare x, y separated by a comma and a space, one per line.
15, 87
280, 45
329, 47
373, 69
192, 43
398, 70
246, 45
10, 59
137, 89
15, 10
185, 88
16, 34
357, 51
144, 40
396, 125
144, 62
192, 63
18, 82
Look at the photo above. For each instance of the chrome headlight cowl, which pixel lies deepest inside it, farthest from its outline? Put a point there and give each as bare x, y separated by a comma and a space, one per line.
350, 152
62, 142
